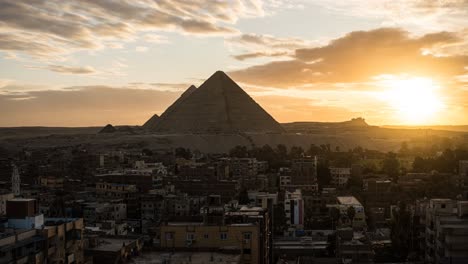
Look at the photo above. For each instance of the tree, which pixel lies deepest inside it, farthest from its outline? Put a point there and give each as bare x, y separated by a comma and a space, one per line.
351, 212
282, 151
334, 215
391, 166
296, 152
239, 152
399, 232
183, 153
404, 150
244, 197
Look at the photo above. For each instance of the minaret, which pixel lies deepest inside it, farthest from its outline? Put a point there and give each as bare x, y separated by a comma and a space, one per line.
15, 180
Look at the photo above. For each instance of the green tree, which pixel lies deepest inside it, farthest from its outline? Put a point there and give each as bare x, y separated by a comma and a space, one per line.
351, 212
391, 166
239, 152
296, 152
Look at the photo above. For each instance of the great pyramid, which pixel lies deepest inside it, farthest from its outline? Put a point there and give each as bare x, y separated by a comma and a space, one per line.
219, 105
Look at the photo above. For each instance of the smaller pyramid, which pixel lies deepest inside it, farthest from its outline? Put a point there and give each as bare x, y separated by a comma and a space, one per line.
181, 99
108, 129
151, 122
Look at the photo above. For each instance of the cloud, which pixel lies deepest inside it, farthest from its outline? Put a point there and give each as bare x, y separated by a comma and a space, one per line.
253, 55
257, 45
420, 15
82, 106
357, 57
171, 87
46, 29
71, 70
141, 49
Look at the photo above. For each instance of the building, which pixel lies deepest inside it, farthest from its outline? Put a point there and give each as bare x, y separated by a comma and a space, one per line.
294, 211
345, 202
113, 249
52, 182
24, 214
302, 175
340, 176
97, 212
28, 237
245, 232
463, 174
353, 247
446, 232
4, 197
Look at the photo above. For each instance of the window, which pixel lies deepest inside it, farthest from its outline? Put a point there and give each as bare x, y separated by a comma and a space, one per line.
223, 236
206, 236
247, 236
169, 236
190, 236
442, 206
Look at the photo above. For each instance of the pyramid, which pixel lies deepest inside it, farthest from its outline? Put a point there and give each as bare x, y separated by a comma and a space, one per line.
108, 129
182, 98
219, 105
151, 122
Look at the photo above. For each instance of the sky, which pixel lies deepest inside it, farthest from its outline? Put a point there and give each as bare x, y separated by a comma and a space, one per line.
94, 62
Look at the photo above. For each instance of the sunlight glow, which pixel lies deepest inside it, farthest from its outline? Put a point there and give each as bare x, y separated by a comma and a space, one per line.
415, 100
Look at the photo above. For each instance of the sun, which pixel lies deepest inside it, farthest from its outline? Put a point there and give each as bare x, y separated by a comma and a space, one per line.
414, 100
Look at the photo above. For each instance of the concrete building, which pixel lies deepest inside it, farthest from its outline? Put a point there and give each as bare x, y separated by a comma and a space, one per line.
113, 249
343, 203
446, 232
52, 182
302, 175
463, 174
340, 176
294, 211
28, 237
97, 212
4, 197
245, 232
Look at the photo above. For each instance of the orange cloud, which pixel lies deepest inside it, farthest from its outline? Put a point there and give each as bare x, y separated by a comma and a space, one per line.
358, 56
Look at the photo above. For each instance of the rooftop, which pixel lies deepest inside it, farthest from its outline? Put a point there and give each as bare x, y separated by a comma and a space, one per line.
348, 200
186, 257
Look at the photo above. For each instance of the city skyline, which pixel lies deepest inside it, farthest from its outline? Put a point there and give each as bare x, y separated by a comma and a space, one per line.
99, 62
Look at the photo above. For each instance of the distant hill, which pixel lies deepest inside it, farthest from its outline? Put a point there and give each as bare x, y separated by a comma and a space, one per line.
310, 127
462, 128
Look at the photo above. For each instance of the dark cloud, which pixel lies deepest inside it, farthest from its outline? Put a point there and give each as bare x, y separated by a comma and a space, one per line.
358, 56
83, 106
57, 27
